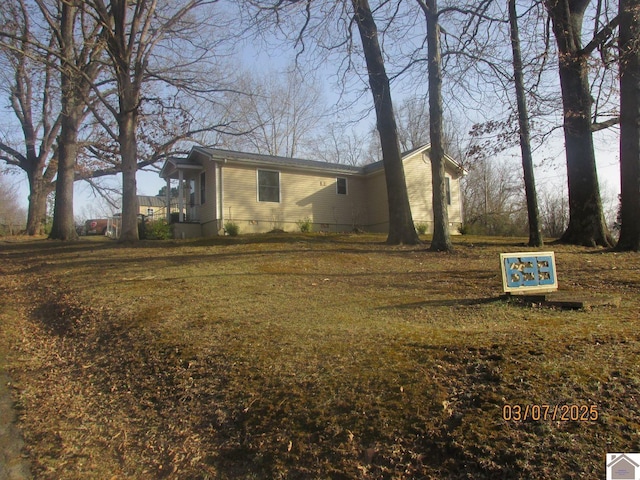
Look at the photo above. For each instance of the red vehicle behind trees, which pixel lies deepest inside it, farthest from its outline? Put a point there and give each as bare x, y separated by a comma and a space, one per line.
96, 226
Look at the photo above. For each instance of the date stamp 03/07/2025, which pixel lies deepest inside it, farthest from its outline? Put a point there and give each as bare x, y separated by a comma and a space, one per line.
619, 466
547, 412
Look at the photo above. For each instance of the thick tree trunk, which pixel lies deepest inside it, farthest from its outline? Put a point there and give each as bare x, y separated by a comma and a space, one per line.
63, 227
401, 227
128, 149
441, 241
535, 235
629, 125
586, 220
37, 209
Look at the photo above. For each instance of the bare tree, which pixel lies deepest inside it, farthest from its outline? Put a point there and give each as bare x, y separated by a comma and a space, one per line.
554, 212
629, 45
441, 238
133, 32
273, 116
12, 216
67, 47
342, 143
29, 81
314, 27
78, 69
413, 128
166, 118
168, 124
580, 120
413, 122
535, 235
492, 199
586, 220
401, 227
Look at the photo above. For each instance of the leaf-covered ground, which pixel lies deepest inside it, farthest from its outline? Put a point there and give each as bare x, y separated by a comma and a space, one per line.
294, 356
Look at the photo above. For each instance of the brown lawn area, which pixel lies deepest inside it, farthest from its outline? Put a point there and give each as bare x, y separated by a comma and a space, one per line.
309, 356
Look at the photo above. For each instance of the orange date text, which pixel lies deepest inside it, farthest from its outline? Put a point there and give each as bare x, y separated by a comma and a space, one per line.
547, 412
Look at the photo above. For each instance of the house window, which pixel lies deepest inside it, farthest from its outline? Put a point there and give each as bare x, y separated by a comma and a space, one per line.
268, 186
203, 188
447, 189
150, 212
341, 186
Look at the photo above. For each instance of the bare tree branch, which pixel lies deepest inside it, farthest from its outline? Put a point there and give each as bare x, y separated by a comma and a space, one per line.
600, 37
596, 127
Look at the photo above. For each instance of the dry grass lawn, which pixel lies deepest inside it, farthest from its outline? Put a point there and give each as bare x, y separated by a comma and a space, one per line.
309, 356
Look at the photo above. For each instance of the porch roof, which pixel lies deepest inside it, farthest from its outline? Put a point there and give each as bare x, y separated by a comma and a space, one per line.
173, 165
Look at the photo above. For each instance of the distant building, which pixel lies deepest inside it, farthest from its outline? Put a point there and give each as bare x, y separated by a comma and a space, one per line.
152, 207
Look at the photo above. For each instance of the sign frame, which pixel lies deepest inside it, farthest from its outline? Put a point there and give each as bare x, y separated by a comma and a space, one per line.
534, 272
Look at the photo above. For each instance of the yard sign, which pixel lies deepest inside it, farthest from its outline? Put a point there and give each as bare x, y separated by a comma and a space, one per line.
528, 272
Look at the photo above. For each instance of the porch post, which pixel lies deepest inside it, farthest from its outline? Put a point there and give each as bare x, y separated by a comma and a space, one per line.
168, 200
180, 196
188, 196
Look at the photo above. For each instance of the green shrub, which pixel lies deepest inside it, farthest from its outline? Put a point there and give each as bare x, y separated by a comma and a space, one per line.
232, 229
304, 225
421, 228
158, 230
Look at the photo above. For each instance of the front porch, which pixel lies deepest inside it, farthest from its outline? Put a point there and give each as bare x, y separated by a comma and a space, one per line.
184, 212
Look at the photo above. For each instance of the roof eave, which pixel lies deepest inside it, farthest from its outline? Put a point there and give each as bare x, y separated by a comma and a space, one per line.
239, 158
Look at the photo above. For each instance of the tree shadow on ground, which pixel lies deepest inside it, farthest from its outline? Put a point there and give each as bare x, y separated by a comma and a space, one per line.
447, 302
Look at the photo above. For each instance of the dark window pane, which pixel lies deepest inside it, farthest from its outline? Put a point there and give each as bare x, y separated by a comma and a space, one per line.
268, 186
341, 186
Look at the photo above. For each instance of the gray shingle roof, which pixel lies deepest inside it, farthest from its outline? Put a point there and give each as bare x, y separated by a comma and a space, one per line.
149, 201
256, 158
277, 161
